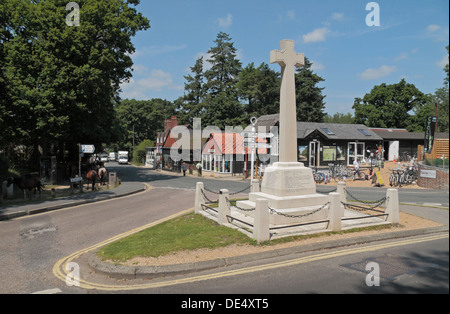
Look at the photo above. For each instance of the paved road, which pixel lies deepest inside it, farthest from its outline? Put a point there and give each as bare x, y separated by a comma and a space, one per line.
30, 247
158, 179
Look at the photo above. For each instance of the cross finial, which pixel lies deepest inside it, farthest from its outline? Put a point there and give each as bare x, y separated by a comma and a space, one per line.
287, 56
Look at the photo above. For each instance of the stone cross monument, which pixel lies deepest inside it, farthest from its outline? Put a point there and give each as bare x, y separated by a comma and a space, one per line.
288, 185
287, 58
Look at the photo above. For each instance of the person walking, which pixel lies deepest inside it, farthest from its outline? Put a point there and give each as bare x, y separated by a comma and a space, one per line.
184, 169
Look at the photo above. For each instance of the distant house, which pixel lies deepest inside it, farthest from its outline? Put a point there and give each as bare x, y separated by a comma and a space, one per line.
224, 153
320, 144
399, 143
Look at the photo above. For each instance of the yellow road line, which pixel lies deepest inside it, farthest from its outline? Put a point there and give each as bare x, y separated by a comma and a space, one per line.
60, 272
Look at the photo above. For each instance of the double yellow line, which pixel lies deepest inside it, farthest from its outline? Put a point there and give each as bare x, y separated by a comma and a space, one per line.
59, 270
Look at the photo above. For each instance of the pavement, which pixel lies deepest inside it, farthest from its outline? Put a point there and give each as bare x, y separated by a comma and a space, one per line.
12, 211
437, 214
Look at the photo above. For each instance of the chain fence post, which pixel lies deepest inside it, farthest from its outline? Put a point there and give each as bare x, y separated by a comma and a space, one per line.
261, 230
199, 199
255, 186
224, 207
392, 207
343, 196
335, 213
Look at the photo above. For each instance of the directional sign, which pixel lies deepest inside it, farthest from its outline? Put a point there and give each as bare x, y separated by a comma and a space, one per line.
250, 139
88, 149
248, 134
257, 145
256, 135
264, 135
263, 145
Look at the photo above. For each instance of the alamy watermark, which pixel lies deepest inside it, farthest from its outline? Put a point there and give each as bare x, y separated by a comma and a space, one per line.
373, 278
373, 18
73, 18
73, 275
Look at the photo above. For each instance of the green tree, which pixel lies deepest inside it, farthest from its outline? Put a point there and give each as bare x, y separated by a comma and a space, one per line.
310, 100
190, 105
222, 106
141, 119
440, 99
339, 118
391, 106
259, 89
65, 80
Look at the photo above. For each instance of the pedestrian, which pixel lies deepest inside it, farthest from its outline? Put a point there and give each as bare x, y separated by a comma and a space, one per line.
184, 169
356, 169
199, 167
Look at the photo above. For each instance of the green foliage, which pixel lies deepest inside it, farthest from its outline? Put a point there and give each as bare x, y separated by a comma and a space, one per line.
139, 151
339, 118
63, 81
391, 106
310, 101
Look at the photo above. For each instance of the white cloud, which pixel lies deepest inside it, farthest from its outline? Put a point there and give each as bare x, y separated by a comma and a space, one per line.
317, 66
225, 21
316, 35
337, 16
433, 28
156, 81
443, 62
373, 74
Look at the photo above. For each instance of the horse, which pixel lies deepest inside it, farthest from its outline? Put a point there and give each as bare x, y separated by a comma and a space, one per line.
92, 176
102, 173
28, 182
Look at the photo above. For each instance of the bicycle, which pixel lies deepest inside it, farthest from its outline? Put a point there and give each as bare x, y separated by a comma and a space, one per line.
320, 177
339, 172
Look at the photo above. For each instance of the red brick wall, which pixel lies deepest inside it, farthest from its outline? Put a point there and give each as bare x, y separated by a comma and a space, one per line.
438, 183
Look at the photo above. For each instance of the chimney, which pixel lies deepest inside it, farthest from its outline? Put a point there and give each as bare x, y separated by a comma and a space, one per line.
170, 123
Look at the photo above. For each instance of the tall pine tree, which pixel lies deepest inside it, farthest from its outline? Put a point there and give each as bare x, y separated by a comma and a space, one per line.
310, 101
222, 101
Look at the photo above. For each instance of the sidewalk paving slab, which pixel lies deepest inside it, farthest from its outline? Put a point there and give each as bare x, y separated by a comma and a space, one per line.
12, 211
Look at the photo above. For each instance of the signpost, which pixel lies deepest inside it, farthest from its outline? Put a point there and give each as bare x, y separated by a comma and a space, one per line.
84, 149
250, 142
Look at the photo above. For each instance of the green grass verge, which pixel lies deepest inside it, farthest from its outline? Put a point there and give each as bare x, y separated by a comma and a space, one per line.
190, 232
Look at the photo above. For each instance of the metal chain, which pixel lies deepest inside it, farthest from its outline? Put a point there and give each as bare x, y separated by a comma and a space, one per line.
240, 208
232, 193
272, 211
207, 198
362, 201
361, 208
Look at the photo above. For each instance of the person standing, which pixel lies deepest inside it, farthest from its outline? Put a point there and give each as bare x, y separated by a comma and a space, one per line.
184, 169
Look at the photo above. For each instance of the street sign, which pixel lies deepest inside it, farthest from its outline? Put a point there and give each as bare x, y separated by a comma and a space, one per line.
87, 149
248, 134
256, 135
250, 139
264, 135
257, 145
263, 145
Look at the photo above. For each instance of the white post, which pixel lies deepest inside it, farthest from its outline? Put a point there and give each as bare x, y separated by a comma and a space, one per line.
224, 207
253, 156
255, 186
393, 207
342, 192
199, 199
261, 230
334, 215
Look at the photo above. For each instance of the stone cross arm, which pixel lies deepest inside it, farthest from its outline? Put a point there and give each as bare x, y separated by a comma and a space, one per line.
287, 56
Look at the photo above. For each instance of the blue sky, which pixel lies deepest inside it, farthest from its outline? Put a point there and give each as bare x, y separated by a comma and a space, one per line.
351, 56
